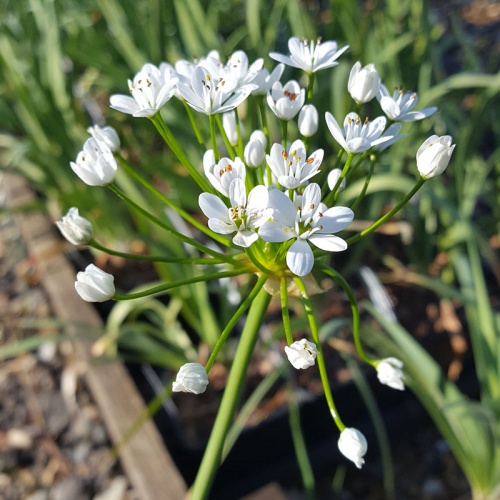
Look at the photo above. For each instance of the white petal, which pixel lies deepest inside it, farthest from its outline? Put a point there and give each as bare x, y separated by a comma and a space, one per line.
328, 242
417, 115
221, 226
335, 219
237, 193
390, 108
300, 258
212, 206
335, 130
276, 232
284, 209
245, 238
124, 103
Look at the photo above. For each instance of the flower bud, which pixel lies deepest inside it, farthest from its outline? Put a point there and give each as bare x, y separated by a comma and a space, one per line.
353, 445
229, 124
260, 136
302, 354
254, 153
94, 285
308, 120
75, 229
95, 165
108, 135
390, 372
364, 83
434, 155
333, 177
192, 377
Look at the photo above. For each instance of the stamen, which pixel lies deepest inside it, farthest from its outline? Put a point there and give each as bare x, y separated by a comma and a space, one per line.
366, 120
285, 155
311, 206
208, 77
310, 160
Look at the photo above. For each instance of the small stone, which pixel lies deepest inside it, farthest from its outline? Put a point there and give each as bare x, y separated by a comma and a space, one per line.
18, 439
115, 491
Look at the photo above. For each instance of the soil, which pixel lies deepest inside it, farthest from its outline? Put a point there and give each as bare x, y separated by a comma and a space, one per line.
53, 444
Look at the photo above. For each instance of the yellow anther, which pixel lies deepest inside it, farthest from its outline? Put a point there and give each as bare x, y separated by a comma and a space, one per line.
311, 206
208, 77
310, 160
284, 154
294, 152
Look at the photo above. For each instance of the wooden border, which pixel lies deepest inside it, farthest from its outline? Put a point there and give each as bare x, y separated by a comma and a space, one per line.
146, 462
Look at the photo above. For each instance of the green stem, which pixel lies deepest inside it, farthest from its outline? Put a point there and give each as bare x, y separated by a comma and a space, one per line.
263, 118
174, 284
388, 215
354, 309
232, 322
160, 223
189, 218
284, 130
310, 88
225, 138
300, 446
176, 148
284, 310
213, 138
361, 195
232, 392
240, 138
196, 129
321, 360
151, 258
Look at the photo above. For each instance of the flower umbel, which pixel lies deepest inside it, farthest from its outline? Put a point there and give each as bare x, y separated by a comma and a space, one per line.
399, 106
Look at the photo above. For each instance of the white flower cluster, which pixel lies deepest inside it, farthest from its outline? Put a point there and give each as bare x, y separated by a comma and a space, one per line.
275, 200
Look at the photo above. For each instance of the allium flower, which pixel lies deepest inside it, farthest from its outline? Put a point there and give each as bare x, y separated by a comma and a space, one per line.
151, 88
293, 169
223, 173
286, 101
434, 155
95, 165
242, 218
333, 177
108, 135
94, 285
399, 106
75, 229
192, 378
237, 66
308, 120
390, 372
364, 83
255, 152
310, 56
357, 137
353, 445
213, 92
302, 354
265, 80
306, 220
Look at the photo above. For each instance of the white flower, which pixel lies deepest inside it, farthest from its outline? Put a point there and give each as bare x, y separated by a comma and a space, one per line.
75, 229
286, 101
255, 153
332, 179
229, 124
260, 136
211, 91
357, 137
108, 135
237, 65
399, 106
223, 173
306, 220
302, 354
353, 445
264, 81
364, 83
151, 88
242, 218
434, 155
95, 165
389, 137
293, 168
192, 377
308, 120
310, 56
94, 285
390, 372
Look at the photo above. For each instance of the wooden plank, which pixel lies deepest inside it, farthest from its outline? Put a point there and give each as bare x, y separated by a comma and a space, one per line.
145, 460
